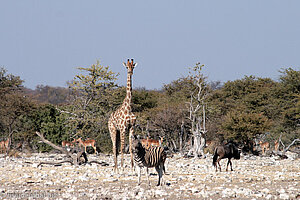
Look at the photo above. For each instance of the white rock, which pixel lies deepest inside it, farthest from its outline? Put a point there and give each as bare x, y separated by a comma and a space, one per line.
266, 190
228, 193
67, 195
291, 155
48, 183
284, 196
34, 164
26, 176
204, 193
195, 190
269, 196
281, 191
160, 192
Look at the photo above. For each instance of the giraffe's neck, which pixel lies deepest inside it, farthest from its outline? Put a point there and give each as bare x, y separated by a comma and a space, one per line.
127, 99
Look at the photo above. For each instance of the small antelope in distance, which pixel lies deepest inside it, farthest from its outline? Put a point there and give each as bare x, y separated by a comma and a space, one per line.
276, 145
264, 146
67, 144
208, 142
4, 145
151, 142
87, 143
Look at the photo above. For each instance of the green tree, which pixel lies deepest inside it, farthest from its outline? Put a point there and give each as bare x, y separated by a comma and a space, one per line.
244, 127
287, 103
90, 102
13, 103
49, 121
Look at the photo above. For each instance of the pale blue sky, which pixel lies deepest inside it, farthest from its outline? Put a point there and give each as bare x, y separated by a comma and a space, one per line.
44, 41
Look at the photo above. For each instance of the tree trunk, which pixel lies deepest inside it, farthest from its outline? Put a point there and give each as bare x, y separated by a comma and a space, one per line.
196, 144
202, 145
199, 145
174, 145
181, 137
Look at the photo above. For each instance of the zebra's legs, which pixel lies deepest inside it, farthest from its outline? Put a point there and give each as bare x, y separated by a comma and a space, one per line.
139, 174
148, 175
159, 170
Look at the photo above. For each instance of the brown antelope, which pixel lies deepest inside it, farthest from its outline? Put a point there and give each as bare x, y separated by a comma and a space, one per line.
87, 143
264, 146
4, 145
2, 149
276, 145
67, 144
208, 142
151, 142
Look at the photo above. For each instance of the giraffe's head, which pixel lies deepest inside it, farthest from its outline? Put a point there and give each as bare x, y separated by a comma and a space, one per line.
130, 66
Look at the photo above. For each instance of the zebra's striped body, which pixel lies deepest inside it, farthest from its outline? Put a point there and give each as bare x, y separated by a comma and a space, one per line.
151, 157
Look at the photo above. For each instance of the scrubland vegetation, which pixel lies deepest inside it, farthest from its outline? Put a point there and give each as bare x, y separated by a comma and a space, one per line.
241, 110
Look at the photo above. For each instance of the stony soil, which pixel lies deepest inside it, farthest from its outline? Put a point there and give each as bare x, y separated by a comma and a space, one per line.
187, 178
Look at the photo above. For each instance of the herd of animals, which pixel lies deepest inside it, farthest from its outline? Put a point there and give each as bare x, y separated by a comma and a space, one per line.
147, 152
150, 153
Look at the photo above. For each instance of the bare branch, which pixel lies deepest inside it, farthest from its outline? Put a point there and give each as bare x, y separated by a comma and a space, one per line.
52, 145
55, 163
296, 140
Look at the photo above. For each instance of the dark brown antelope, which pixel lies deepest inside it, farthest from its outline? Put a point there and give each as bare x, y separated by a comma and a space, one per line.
229, 151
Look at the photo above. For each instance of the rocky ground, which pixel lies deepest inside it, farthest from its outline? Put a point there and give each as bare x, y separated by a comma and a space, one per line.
187, 178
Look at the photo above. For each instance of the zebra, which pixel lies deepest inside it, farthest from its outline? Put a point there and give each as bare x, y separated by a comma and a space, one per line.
151, 157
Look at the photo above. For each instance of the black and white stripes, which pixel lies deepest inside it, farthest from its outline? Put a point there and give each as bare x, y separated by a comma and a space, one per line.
151, 157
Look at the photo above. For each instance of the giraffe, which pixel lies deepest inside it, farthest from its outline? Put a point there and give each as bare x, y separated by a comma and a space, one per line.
123, 120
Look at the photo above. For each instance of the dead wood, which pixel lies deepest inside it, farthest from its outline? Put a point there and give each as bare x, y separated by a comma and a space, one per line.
55, 163
285, 149
74, 159
99, 163
52, 145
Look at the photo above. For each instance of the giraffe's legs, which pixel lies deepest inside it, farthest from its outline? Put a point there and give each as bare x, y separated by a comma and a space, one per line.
113, 136
122, 136
130, 146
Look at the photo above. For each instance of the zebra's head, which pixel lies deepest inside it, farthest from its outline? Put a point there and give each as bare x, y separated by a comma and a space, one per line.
136, 144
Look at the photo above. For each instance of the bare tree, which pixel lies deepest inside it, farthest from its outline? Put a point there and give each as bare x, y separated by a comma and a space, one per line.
196, 107
74, 159
285, 149
182, 131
